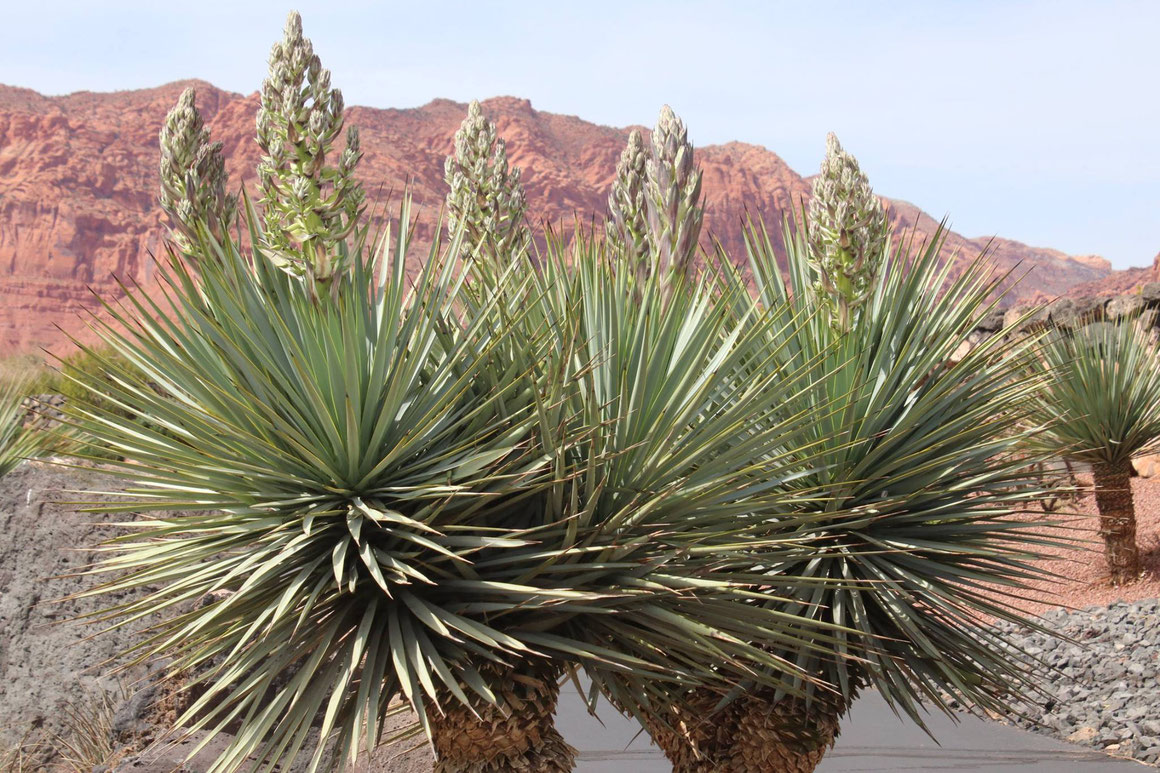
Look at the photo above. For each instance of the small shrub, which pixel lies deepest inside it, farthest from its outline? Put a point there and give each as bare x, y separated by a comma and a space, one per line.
87, 740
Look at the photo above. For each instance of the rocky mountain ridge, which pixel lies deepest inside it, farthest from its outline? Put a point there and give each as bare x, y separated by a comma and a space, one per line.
78, 182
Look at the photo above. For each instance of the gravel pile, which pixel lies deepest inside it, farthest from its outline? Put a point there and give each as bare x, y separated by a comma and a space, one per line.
1103, 685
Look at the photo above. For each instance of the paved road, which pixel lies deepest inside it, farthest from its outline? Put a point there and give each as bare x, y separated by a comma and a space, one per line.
873, 740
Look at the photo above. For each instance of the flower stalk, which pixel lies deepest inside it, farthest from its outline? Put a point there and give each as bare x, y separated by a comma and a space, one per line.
193, 176
486, 198
627, 230
847, 231
310, 207
673, 196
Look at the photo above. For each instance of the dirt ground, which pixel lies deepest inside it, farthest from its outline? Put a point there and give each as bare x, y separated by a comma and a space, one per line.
1082, 578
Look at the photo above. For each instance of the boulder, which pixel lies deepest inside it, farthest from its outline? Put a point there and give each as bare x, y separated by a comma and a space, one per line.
47, 661
1089, 308
992, 322
1085, 735
1011, 316
1025, 320
961, 352
1124, 306
1147, 466
1062, 312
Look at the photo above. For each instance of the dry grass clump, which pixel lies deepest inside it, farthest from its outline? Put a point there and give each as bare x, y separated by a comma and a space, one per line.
88, 739
86, 742
24, 756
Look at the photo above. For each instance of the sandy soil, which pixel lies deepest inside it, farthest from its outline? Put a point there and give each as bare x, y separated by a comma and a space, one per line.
1082, 580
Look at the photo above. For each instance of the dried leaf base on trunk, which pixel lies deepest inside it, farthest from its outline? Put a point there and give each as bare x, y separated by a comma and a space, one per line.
750, 735
1113, 484
521, 737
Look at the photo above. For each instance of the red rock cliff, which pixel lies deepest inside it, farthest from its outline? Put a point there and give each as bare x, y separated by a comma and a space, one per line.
78, 183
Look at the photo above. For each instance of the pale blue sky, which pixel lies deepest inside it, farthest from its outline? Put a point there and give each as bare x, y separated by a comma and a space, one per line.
1032, 120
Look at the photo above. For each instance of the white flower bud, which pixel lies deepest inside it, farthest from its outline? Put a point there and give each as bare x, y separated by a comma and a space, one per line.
627, 229
485, 196
847, 231
673, 196
305, 200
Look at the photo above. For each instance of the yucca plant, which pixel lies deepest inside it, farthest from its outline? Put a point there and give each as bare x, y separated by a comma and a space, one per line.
649, 434
671, 398
909, 518
1100, 404
331, 470
427, 492
670, 441
337, 462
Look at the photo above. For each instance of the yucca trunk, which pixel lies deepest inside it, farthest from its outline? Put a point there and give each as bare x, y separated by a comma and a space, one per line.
1113, 486
521, 737
754, 734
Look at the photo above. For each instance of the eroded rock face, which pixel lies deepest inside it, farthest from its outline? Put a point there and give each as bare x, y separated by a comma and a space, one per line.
1071, 313
1126, 281
78, 189
46, 661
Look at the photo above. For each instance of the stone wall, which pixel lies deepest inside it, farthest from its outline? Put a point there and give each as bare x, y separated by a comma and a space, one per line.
1072, 313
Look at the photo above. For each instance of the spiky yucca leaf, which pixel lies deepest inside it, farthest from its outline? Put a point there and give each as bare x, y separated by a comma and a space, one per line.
20, 439
913, 522
1101, 397
662, 441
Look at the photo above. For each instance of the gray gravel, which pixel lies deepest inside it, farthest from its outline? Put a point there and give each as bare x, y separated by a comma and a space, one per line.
1103, 683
